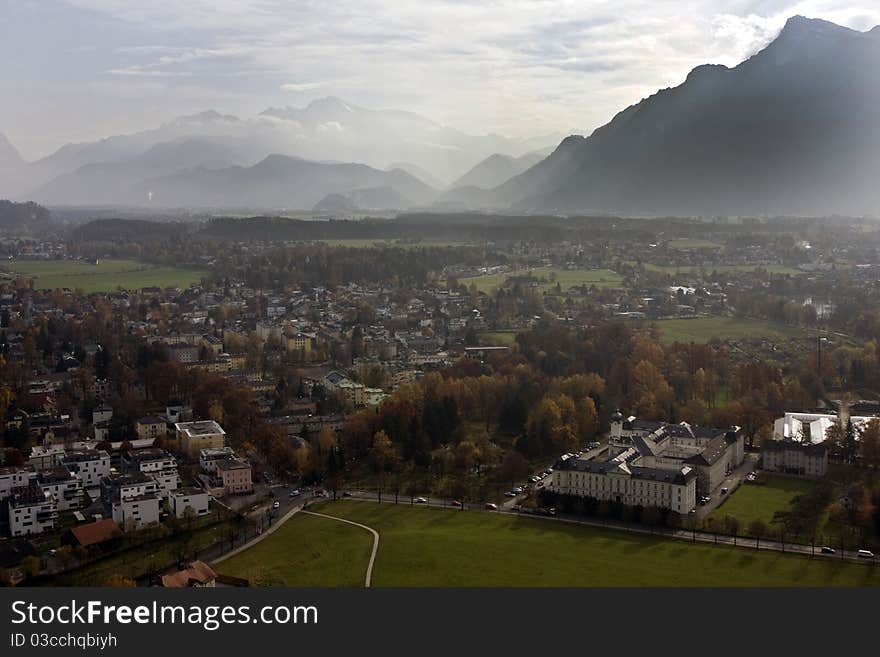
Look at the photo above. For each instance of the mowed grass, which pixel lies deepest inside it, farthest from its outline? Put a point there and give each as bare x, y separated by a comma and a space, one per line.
497, 338
549, 277
722, 269
107, 276
421, 546
752, 502
305, 551
703, 329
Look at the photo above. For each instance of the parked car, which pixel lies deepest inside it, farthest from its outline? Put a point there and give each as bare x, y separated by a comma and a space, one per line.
346, 494
827, 550
510, 493
865, 554
295, 493
724, 491
456, 503
421, 500
491, 507
276, 505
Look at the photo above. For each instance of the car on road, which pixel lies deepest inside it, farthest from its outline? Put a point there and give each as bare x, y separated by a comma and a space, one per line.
510, 493
456, 504
491, 507
295, 493
276, 505
827, 550
724, 491
865, 554
346, 494
421, 500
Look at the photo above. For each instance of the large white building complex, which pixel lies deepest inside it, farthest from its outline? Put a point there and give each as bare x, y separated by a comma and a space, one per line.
653, 464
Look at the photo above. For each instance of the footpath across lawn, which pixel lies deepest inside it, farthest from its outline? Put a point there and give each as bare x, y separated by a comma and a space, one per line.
421, 546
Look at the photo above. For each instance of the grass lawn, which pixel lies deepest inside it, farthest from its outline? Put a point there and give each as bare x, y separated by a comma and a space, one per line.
760, 501
722, 269
703, 329
549, 276
305, 551
421, 546
106, 276
497, 338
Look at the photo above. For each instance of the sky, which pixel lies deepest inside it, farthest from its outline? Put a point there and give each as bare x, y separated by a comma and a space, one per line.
79, 70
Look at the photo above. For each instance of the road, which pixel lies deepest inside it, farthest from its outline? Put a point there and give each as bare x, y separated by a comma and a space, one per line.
731, 482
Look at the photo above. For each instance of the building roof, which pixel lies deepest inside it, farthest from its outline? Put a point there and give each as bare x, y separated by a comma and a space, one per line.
199, 428
197, 573
25, 495
232, 464
96, 532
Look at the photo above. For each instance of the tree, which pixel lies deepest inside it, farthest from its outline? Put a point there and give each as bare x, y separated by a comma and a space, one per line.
382, 455
869, 444
758, 529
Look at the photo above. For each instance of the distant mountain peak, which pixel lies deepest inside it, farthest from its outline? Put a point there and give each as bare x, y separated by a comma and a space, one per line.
804, 26
9, 155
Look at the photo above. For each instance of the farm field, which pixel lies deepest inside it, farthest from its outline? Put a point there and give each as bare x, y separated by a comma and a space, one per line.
703, 329
549, 277
752, 502
106, 276
420, 546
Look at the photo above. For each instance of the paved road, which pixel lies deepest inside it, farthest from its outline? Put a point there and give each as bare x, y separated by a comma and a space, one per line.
731, 482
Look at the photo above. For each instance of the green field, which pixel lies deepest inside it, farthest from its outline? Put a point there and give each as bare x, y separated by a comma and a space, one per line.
421, 546
721, 269
703, 329
549, 277
497, 338
305, 551
106, 276
752, 502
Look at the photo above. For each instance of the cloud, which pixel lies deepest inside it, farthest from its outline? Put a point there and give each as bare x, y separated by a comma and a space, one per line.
301, 86
512, 66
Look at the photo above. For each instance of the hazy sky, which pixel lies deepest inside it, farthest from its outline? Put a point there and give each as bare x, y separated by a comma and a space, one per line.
81, 69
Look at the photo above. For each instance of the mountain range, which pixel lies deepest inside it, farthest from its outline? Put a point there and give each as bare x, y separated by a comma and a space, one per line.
792, 130
117, 169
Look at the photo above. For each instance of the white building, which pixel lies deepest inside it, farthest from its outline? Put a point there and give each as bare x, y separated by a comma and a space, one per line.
132, 499
14, 477
812, 427
65, 487
45, 457
208, 458
92, 465
155, 463
793, 457
183, 498
193, 437
653, 464
31, 511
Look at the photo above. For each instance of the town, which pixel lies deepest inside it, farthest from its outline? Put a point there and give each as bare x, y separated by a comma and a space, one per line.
170, 397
